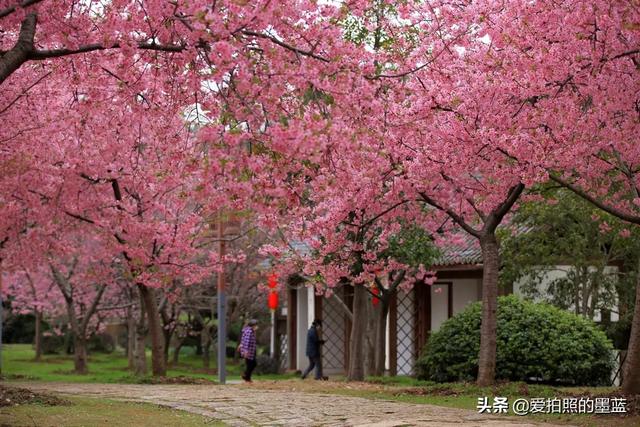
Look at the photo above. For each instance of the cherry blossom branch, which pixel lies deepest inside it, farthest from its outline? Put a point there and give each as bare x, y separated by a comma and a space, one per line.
284, 45
24, 4
628, 53
495, 217
605, 207
56, 53
24, 92
12, 60
457, 218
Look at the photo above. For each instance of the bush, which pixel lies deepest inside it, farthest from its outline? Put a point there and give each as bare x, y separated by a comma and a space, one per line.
267, 365
18, 328
619, 332
101, 343
52, 344
536, 342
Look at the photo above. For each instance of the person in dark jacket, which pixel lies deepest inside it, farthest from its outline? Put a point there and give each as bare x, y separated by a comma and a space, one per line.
313, 350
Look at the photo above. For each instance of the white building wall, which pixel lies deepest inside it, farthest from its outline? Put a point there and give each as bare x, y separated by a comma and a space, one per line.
439, 305
465, 292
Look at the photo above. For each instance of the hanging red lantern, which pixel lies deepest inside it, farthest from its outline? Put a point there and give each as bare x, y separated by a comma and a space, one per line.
375, 300
273, 280
272, 301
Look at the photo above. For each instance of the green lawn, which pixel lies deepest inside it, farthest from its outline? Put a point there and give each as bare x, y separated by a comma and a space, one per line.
18, 363
100, 413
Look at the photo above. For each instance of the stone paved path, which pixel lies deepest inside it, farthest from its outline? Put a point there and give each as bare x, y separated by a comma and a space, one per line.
242, 405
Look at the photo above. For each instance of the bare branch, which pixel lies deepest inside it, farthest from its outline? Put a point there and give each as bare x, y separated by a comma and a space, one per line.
92, 309
344, 306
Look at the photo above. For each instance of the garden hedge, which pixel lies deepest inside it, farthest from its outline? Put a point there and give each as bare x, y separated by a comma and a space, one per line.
536, 342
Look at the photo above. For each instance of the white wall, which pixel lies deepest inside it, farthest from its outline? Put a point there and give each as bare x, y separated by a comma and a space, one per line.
439, 305
465, 292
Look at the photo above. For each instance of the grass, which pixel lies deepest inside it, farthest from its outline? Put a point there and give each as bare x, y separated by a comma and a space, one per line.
18, 363
100, 413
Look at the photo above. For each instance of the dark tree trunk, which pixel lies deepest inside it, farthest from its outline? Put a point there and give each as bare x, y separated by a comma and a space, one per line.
167, 334
80, 354
131, 339
140, 357
357, 339
205, 340
381, 334
488, 327
38, 336
176, 352
158, 363
77, 326
370, 337
631, 377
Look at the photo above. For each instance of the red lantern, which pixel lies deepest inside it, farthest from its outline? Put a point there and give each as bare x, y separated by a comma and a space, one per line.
375, 300
273, 280
272, 302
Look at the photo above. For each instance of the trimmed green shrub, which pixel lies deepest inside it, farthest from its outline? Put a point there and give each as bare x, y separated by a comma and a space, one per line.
536, 342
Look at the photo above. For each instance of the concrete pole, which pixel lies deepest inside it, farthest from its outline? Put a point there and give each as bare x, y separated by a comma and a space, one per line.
1, 317
273, 334
222, 312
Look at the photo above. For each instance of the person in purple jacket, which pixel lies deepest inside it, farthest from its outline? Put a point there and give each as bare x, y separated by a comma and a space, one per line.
248, 348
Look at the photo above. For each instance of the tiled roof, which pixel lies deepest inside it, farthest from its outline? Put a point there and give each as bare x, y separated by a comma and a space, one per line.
465, 250
301, 248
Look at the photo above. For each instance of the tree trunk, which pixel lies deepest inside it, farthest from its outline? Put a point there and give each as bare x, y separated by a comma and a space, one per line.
167, 333
488, 327
176, 351
381, 334
140, 356
356, 342
131, 339
38, 336
370, 337
158, 363
205, 340
631, 377
79, 354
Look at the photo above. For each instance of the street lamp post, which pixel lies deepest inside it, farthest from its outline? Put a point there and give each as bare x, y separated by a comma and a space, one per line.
222, 311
